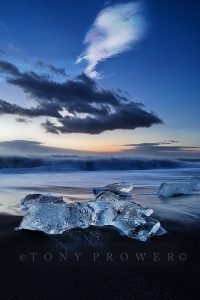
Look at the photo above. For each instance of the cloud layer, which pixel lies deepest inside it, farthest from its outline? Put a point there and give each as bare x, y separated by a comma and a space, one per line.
115, 30
157, 149
78, 105
166, 148
24, 147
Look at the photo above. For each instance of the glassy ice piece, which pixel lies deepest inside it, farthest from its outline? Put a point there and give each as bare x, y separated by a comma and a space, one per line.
122, 189
55, 218
107, 208
33, 199
174, 189
195, 183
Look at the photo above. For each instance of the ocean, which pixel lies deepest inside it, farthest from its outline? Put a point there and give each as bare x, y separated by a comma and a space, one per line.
74, 179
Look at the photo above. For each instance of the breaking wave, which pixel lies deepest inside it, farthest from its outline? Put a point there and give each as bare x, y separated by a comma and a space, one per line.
56, 164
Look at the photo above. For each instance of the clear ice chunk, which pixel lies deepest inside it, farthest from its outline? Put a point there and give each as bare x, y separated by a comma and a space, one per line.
108, 208
174, 189
33, 199
122, 189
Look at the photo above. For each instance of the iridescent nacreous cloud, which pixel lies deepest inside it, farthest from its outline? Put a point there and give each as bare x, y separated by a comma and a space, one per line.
115, 30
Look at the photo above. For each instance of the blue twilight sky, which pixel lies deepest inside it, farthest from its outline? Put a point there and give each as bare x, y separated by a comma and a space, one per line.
161, 69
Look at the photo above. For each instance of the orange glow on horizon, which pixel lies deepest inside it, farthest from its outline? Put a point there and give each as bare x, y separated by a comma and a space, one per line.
100, 149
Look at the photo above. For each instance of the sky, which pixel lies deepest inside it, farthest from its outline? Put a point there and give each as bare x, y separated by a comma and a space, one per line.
118, 77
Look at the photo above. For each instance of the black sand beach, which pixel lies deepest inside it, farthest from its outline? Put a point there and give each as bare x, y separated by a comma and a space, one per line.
99, 263
36, 266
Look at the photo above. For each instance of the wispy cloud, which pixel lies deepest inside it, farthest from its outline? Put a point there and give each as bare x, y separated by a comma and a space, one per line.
23, 120
115, 30
51, 68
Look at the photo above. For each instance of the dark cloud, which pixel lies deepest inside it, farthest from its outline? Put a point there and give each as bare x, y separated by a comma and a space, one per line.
165, 142
168, 142
14, 109
52, 68
33, 148
143, 145
8, 68
125, 117
79, 104
22, 120
162, 149
50, 127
